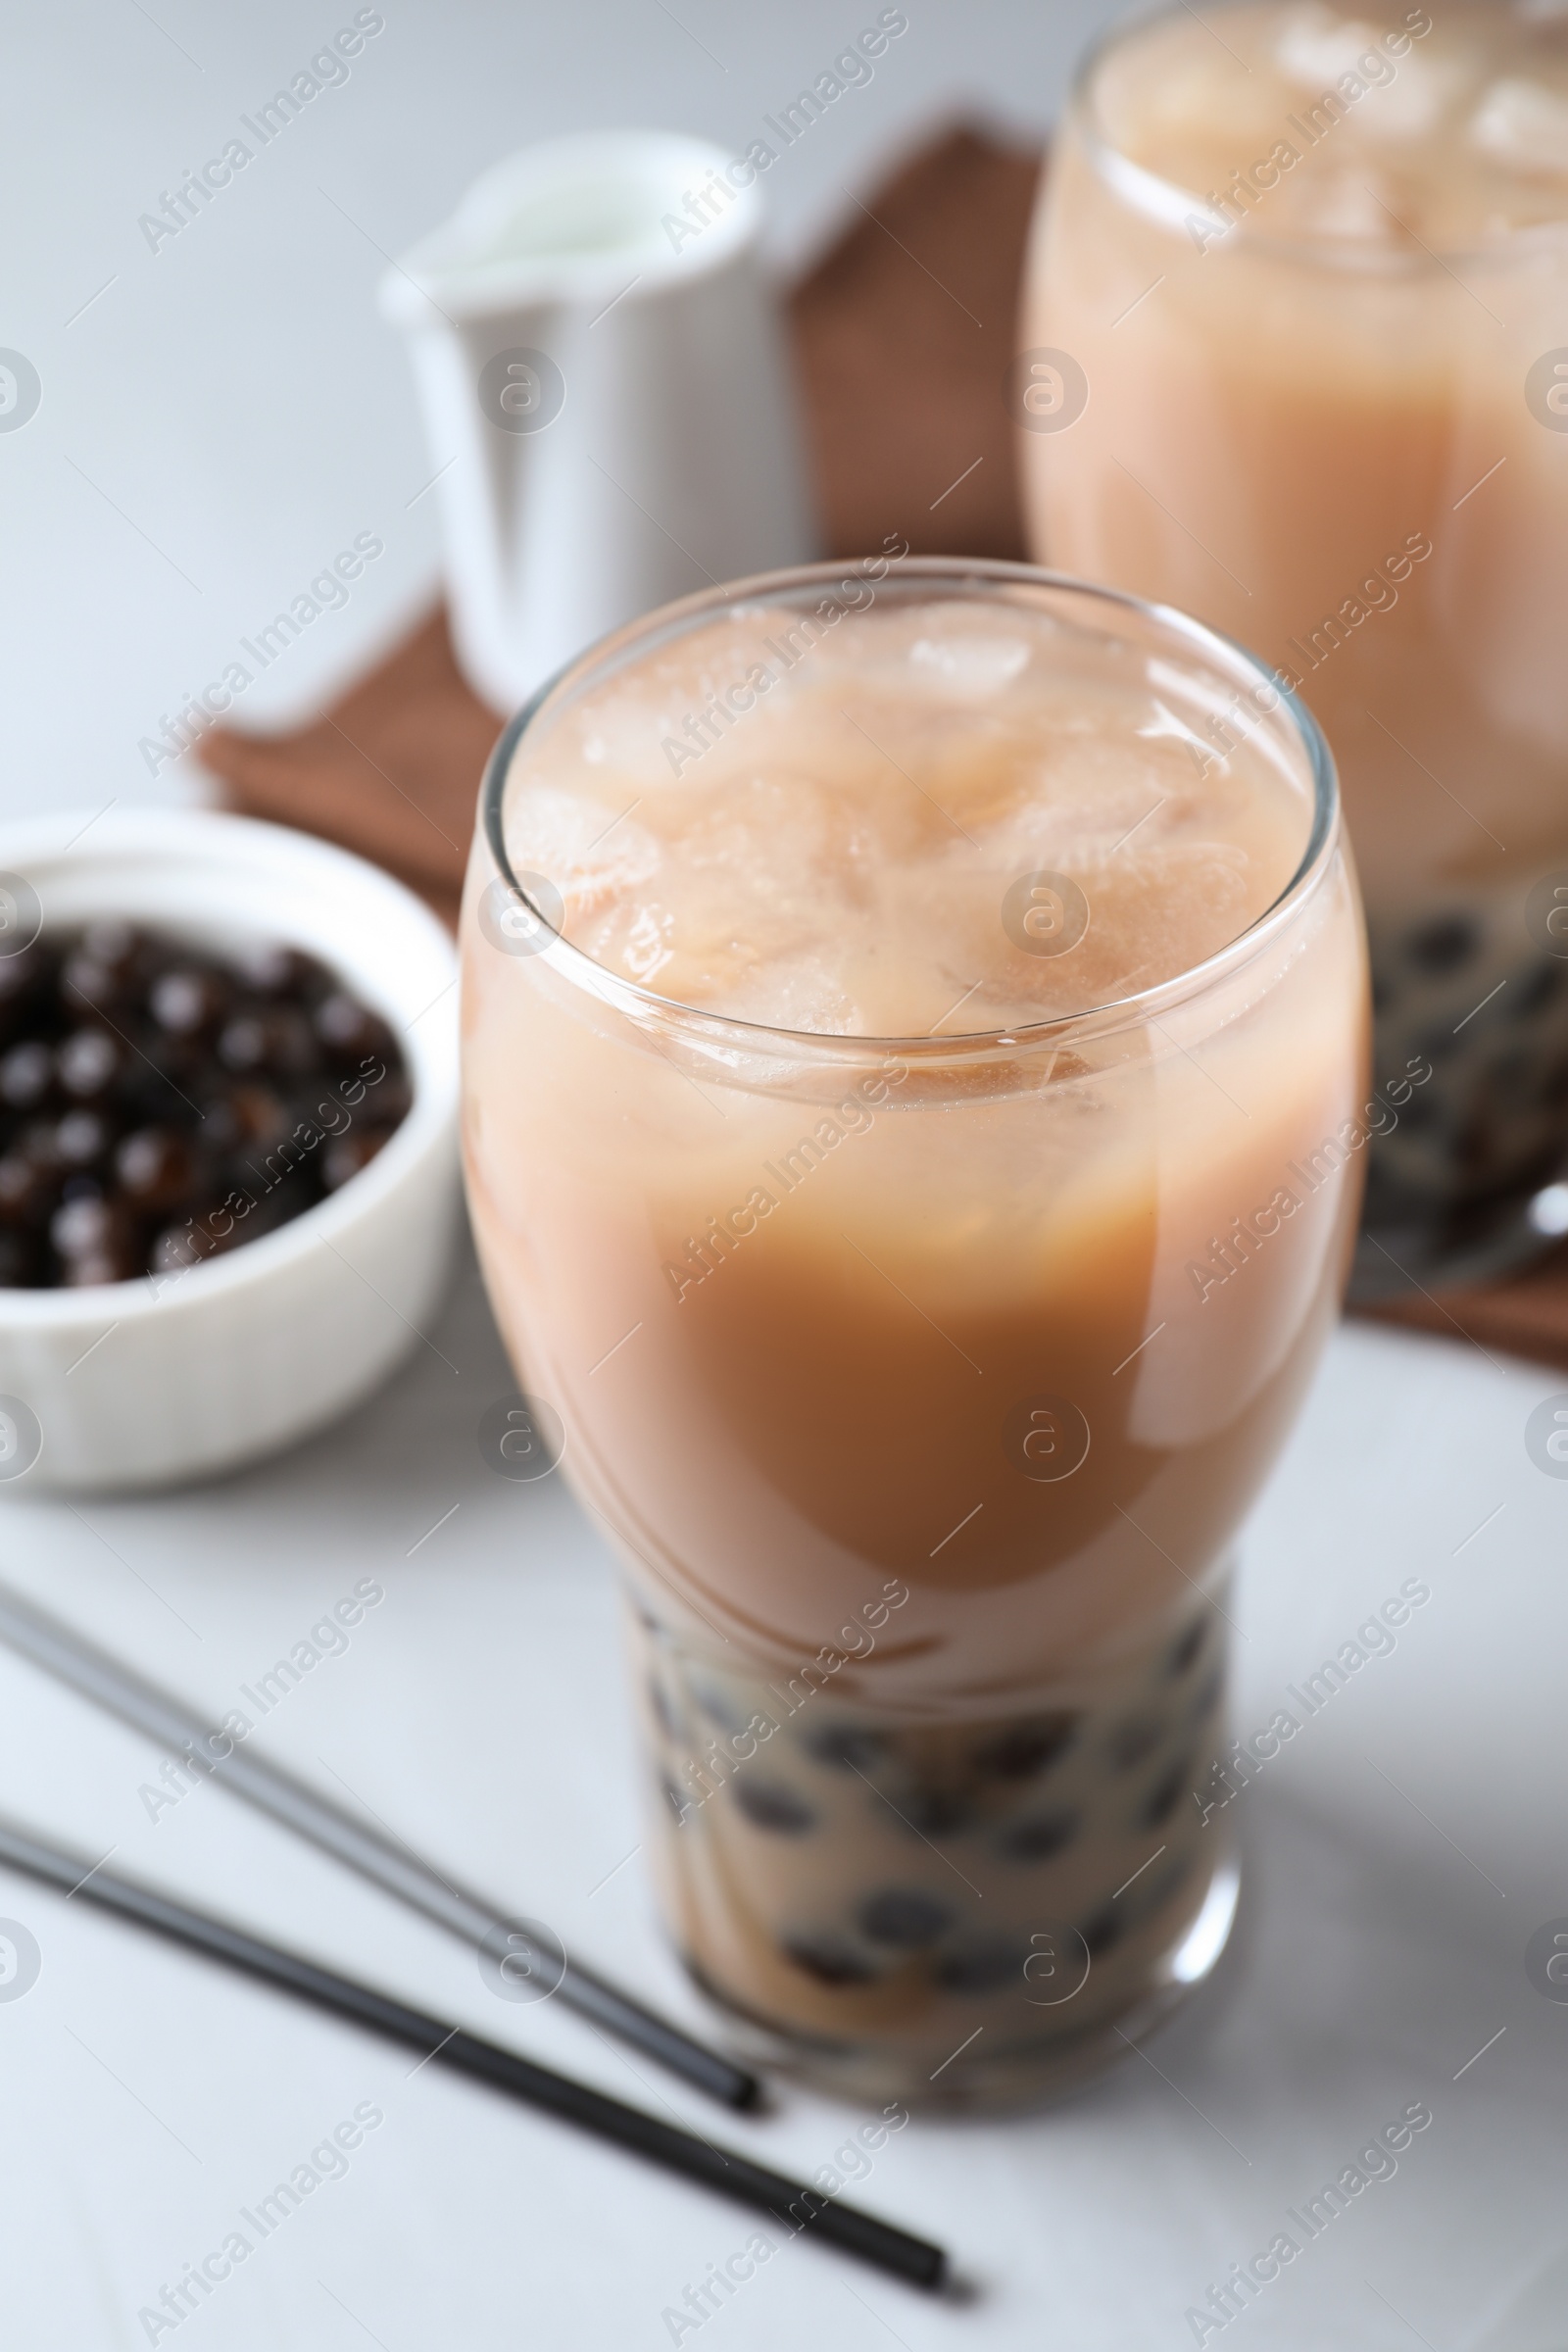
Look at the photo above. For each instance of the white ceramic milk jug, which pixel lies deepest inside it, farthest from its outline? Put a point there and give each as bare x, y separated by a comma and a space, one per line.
606, 384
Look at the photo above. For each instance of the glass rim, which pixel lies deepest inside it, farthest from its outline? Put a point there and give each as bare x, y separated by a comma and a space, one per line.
674, 619
1168, 201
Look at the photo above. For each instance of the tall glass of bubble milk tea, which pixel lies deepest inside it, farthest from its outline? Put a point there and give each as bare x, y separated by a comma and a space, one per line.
914, 1121
1296, 358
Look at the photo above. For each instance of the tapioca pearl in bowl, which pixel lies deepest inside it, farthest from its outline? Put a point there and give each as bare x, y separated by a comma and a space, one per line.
224, 1355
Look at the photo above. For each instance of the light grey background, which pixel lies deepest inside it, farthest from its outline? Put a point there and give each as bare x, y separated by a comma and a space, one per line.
228, 411
217, 420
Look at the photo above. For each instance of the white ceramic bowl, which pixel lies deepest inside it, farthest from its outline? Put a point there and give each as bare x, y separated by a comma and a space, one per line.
133, 1384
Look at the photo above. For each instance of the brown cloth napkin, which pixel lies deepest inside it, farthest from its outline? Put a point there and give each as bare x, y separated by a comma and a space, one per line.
1526, 1315
902, 337
390, 770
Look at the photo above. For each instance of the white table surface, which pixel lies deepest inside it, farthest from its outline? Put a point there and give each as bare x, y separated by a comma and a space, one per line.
216, 424
1400, 1851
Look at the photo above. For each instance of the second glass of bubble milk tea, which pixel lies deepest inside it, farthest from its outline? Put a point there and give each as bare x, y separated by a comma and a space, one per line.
912, 1121
1297, 358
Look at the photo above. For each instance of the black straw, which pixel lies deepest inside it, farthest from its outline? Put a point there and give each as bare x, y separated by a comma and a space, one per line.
796, 2206
65, 1653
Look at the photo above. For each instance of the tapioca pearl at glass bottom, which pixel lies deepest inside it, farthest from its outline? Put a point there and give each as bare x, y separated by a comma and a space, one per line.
720, 1705
1134, 1740
936, 1812
1038, 1838
772, 1805
1026, 1748
659, 1700
1207, 1695
849, 1747
830, 1960
1185, 1648
1165, 1794
904, 1918
982, 1968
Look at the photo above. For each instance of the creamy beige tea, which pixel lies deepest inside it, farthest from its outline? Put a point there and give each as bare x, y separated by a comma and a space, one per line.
925, 1270
1311, 264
